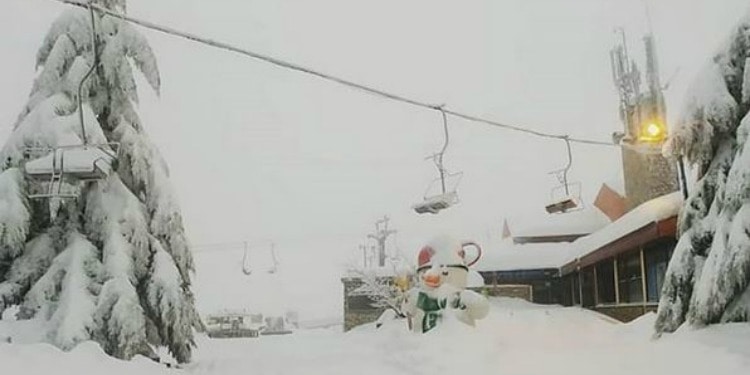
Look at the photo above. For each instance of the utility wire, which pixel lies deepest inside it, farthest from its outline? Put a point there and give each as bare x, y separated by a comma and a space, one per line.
313, 72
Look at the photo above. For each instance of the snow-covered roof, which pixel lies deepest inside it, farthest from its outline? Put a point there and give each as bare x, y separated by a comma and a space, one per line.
655, 210
586, 221
505, 256
510, 257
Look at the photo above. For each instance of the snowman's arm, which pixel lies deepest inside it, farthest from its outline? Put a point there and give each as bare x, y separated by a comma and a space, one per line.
477, 306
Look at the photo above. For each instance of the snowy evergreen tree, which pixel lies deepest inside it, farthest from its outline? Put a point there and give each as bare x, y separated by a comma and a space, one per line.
709, 275
112, 265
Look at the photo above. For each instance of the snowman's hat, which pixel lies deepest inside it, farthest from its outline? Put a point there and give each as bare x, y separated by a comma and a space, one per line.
446, 251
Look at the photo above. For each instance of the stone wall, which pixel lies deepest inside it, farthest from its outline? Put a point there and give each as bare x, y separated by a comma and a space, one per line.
358, 310
647, 176
512, 291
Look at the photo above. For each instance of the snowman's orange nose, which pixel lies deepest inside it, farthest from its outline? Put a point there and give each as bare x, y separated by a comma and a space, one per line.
432, 280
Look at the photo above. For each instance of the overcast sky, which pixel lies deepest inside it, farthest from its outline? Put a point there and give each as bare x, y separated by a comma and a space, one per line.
264, 154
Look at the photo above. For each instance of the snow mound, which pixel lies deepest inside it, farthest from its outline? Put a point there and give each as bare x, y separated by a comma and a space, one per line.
643, 326
86, 358
517, 337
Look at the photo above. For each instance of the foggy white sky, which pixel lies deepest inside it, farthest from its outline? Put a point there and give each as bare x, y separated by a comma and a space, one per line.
261, 153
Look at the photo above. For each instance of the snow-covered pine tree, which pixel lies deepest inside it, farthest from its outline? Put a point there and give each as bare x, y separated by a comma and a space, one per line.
113, 265
707, 279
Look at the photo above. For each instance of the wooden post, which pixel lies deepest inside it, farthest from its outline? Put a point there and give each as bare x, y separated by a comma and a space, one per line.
617, 283
643, 278
596, 288
580, 287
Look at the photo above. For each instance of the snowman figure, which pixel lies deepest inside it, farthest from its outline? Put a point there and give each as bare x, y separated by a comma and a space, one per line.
443, 271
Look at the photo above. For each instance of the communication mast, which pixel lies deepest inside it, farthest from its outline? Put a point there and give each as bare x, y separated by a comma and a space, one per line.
647, 174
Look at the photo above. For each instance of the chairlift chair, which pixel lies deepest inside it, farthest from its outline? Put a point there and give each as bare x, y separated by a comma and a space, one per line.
447, 196
245, 268
246, 264
275, 266
566, 197
434, 203
71, 164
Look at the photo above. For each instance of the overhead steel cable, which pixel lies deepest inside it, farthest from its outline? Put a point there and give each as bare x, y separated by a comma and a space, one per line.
362, 87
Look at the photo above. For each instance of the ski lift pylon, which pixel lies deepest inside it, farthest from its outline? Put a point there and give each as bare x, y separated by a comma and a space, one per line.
447, 195
565, 197
71, 164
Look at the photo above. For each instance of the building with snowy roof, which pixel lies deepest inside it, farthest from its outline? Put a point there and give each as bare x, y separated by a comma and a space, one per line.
617, 270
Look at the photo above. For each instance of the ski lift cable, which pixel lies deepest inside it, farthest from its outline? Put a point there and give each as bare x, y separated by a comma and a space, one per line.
362, 87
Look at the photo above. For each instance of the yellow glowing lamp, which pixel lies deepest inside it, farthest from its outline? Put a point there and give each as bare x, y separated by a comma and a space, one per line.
652, 132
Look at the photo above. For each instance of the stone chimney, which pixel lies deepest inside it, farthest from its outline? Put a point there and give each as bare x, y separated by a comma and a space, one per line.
647, 176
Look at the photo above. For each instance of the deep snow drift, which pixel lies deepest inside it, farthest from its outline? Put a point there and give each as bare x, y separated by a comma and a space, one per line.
517, 338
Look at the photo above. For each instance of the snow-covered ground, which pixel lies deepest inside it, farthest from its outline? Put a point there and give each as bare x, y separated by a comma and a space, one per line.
517, 338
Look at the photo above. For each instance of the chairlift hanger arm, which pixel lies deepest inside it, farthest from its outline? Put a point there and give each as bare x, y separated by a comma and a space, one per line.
246, 270
439, 160
562, 174
89, 72
570, 154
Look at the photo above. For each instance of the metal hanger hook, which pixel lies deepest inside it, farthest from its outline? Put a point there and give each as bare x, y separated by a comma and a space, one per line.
439, 156
88, 74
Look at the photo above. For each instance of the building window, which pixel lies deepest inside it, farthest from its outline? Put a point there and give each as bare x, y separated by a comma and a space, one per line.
542, 291
587, 287
605, 281
656, 258
629, 277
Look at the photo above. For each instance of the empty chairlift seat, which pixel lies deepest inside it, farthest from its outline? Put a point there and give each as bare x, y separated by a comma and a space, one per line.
69, 165
80, 163
436, 203
563, 205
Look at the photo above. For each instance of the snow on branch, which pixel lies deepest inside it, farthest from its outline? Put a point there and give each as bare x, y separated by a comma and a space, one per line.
383, 291
14, 213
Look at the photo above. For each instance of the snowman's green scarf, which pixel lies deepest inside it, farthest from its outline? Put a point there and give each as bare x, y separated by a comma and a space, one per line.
432, 310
